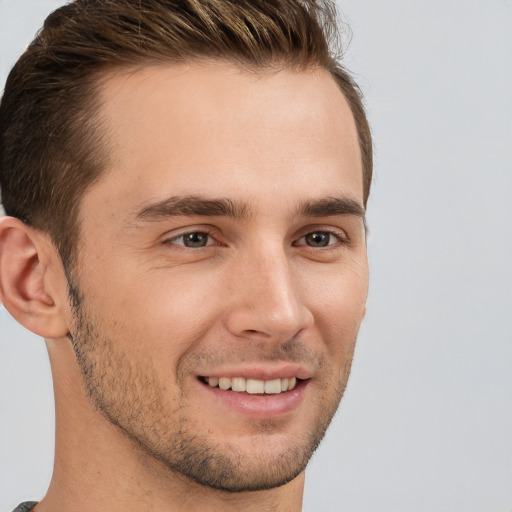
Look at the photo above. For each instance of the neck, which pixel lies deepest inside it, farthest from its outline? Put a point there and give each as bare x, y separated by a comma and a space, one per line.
98, 468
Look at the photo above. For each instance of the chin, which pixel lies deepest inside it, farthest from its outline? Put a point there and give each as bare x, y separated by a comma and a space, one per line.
230, 469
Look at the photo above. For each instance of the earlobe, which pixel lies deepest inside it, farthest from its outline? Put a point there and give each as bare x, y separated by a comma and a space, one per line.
29, 288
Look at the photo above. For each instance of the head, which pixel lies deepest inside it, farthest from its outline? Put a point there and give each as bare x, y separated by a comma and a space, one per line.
201, 169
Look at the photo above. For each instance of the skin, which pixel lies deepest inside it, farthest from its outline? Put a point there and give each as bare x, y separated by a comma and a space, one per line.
137, 428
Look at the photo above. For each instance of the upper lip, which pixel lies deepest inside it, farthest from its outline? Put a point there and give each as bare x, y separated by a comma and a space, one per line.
260, 372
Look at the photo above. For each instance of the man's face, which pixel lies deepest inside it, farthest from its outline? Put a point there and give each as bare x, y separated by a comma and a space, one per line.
224, 246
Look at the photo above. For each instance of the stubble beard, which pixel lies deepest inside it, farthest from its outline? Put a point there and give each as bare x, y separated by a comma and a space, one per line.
128, 393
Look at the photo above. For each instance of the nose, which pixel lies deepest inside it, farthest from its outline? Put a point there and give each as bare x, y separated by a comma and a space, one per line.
266, 299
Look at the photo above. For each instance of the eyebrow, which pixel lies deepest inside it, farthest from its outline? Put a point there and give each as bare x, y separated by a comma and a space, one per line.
332, 206
209, 207
192, 205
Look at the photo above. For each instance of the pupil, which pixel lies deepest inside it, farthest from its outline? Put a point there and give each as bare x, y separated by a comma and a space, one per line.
196, 239
318, 239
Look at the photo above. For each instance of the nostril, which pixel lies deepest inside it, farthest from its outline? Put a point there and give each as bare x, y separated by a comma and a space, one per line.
267, 321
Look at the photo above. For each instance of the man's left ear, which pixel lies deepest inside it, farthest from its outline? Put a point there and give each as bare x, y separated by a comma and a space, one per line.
32, 281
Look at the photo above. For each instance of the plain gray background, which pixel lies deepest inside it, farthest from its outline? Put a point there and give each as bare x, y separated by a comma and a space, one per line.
426, 422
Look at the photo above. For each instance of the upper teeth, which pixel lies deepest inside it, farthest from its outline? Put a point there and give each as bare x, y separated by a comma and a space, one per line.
253, 386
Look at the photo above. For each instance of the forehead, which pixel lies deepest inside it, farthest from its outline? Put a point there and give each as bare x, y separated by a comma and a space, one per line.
213, 129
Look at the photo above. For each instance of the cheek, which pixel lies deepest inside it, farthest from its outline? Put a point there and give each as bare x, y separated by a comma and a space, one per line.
339, 306
163, 312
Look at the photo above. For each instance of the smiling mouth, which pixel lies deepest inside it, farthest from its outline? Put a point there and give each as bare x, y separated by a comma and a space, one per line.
252, 386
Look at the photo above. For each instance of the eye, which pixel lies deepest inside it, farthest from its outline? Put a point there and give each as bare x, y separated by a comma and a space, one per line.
320, 239
193, 240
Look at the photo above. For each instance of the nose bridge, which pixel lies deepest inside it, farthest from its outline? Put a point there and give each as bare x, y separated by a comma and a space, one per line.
275, 285
267, 301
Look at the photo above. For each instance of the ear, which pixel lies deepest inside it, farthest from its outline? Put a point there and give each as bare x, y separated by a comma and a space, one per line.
32, 281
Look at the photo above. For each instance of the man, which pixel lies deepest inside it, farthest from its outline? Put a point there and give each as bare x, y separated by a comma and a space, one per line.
185, 187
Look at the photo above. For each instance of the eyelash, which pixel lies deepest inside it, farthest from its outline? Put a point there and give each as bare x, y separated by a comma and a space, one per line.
206, 232
341, 239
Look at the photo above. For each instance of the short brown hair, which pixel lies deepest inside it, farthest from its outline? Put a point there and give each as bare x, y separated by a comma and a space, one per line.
51, 147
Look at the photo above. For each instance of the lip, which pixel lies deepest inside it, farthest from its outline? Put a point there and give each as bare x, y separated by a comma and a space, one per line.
280, 371
266, 406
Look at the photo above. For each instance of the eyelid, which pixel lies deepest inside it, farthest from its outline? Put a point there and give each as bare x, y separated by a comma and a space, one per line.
171, 240
338, 233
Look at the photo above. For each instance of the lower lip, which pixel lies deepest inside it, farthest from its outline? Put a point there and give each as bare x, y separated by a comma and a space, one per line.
260, 406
